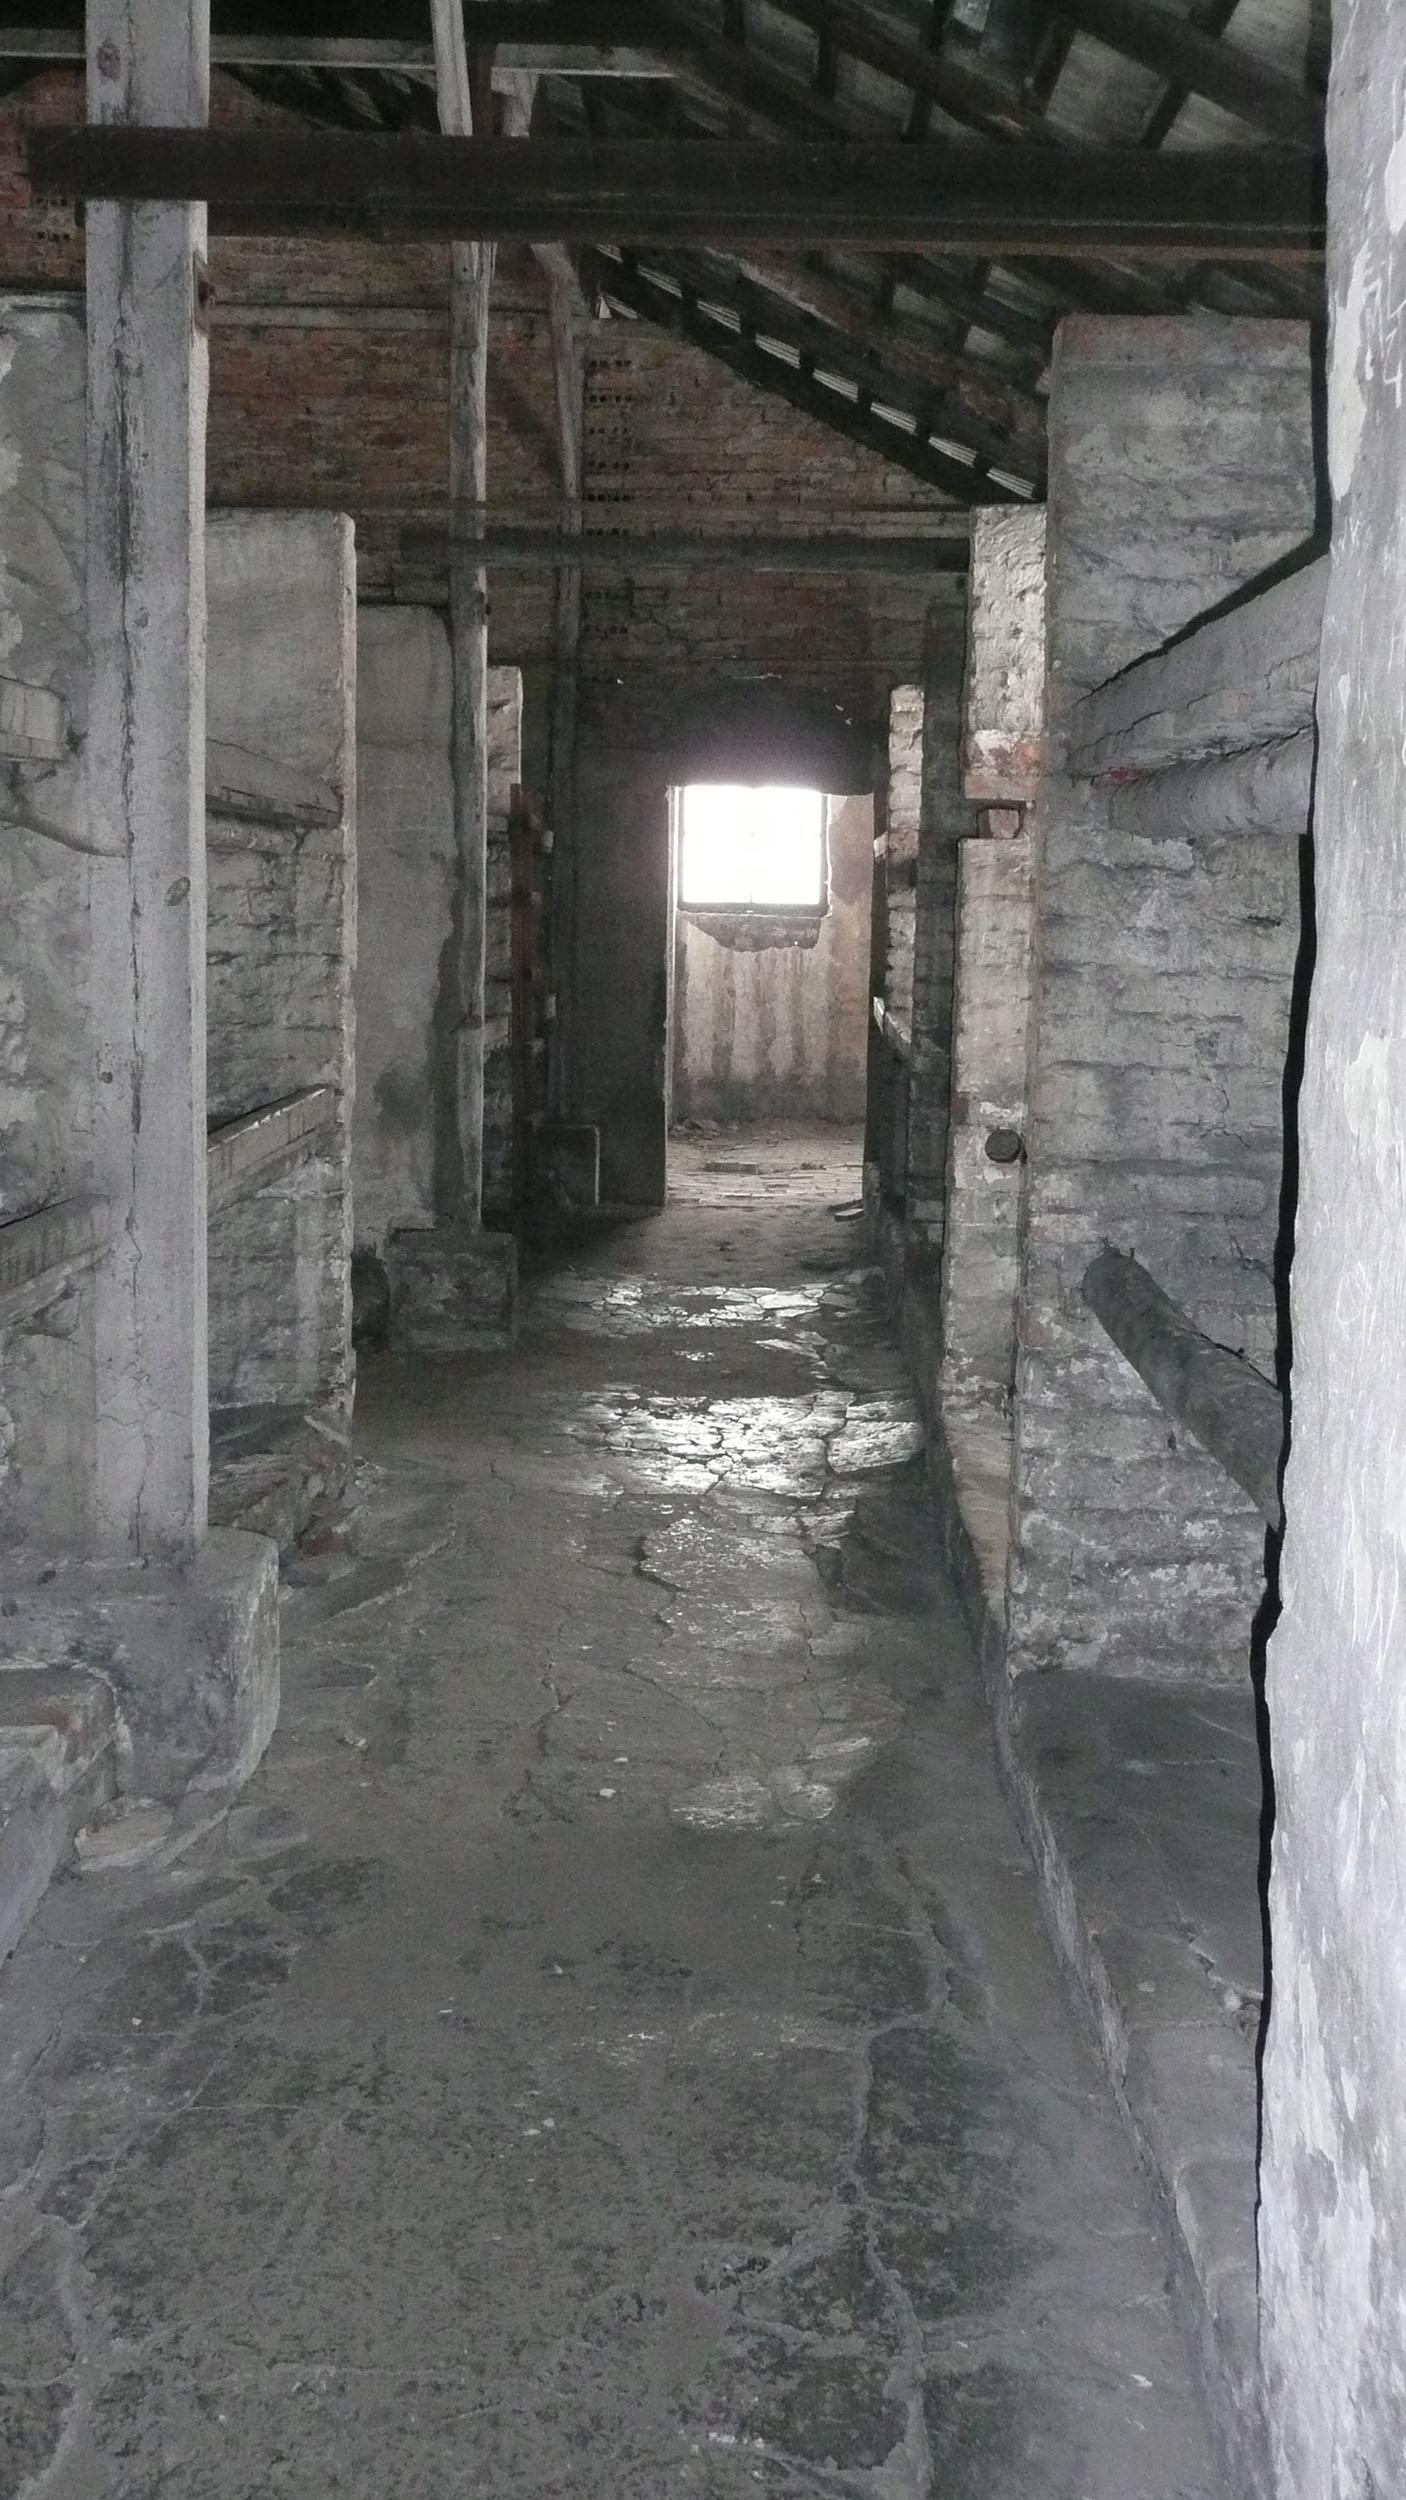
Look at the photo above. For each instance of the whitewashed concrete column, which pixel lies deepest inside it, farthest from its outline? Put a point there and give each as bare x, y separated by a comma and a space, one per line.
1333, 2184
148, 62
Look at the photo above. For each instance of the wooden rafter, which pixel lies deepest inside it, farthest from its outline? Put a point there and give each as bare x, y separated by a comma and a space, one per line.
877, 364
972, 202
622, 281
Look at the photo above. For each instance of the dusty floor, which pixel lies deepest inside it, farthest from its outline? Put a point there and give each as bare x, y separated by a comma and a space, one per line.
612, 2052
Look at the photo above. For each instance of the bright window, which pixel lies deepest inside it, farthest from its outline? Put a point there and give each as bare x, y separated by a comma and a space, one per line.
744, 849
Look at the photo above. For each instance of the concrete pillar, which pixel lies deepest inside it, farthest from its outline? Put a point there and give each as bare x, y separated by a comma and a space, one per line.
1181, 467
148, 62
1333, 2186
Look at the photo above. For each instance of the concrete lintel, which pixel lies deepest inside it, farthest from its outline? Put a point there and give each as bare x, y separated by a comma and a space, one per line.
452, 1291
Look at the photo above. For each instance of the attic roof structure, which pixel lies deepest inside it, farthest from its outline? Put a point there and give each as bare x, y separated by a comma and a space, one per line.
1164, 160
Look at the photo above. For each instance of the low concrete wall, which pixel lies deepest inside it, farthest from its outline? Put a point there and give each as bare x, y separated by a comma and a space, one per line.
771, 1025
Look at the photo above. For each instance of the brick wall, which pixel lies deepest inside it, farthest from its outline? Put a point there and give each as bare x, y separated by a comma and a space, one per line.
1181, 465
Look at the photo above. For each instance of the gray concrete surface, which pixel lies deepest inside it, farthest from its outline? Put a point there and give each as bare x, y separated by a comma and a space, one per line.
1333, 2215
612, 2051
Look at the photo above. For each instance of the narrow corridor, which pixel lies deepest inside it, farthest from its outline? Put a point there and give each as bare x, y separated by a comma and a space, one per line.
611, 2051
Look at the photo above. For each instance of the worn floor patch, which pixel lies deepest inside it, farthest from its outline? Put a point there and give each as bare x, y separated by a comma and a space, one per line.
612, 2051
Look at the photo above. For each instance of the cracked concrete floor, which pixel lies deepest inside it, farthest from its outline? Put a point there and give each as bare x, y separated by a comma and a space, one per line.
611, 2052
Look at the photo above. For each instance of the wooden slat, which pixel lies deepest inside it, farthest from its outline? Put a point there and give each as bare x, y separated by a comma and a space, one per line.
971, 201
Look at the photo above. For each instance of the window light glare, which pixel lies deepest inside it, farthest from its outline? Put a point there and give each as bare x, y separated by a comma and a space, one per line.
759, 848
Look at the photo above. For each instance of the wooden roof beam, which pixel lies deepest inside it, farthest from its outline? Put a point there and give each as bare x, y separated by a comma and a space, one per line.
970, 202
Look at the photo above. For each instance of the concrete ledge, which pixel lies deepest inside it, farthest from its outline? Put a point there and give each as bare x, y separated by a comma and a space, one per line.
1247, 675
896, 1033
1236, 1414
36, 1249
257, 790
280, 1472
1265, 789
1141, 1806
241, 1154
58, 1731
452, 1292
189, 1653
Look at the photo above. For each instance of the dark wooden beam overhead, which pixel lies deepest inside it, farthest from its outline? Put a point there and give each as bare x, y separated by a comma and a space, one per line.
310, 22
1145, 32
987, 202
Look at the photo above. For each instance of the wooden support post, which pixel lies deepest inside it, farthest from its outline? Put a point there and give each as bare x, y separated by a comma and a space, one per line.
470, 293
569, 373
148, 62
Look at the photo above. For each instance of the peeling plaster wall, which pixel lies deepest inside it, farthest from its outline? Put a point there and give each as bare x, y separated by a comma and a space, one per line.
779, 1031
46, 1358
1180, 467
281, 948
1333, 2211
406, 878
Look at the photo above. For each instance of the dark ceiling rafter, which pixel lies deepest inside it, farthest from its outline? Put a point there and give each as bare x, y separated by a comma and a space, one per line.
621, 280
851, 311
911, 385
976, 202
779, 101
